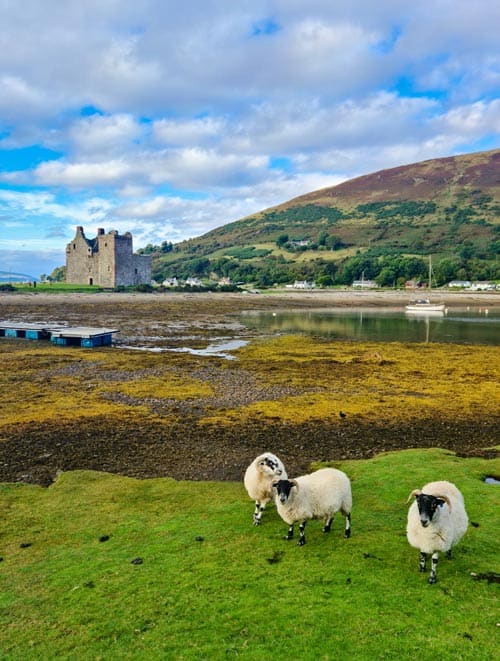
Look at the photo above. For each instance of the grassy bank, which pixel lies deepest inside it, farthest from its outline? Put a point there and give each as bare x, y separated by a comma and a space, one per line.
206, 584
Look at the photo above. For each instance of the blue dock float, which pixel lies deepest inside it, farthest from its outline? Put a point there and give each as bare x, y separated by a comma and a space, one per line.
81, 336
27, 331
75, 336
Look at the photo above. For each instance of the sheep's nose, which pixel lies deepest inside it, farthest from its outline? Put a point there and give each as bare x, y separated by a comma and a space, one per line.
424, 522
283, 498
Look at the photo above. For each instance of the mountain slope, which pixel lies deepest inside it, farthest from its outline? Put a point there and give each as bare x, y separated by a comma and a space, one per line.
447, 207
442, 180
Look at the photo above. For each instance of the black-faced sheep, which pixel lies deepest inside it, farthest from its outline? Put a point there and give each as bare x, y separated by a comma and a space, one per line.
258, 481
318, 495
437, 520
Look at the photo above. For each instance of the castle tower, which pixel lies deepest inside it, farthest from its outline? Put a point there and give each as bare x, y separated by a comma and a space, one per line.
106, 261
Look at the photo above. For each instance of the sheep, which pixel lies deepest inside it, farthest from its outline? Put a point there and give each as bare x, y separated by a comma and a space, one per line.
437, 520
258, 481
318, 495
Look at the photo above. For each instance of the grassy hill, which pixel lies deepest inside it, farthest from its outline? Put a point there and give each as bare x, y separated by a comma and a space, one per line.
448, 208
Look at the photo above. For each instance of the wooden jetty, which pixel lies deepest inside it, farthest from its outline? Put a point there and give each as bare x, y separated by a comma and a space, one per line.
76, 336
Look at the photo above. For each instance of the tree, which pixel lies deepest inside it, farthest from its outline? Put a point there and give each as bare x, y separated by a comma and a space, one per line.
281, 240
446, 270
334, 242
322, 238
386, 277
58, 274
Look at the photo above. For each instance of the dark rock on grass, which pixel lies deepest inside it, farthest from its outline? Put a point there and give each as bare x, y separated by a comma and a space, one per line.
490, 577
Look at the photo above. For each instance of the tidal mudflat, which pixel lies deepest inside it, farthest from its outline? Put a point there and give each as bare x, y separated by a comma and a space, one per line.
203, 417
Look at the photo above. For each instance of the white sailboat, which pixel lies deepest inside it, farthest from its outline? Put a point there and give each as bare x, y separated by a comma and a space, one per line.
425, 305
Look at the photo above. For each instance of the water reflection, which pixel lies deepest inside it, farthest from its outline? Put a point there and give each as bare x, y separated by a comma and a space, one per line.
457, 326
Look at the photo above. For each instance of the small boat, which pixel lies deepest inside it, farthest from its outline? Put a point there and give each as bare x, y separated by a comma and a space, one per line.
425, 305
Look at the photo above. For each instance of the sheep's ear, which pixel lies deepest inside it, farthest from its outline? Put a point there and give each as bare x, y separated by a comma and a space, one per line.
415, 492
295, 484
444, 499
274, 485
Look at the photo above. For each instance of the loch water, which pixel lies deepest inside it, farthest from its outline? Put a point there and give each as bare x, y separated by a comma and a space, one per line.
458, 326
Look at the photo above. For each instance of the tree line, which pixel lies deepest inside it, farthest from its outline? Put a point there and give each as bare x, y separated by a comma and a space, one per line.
387, 270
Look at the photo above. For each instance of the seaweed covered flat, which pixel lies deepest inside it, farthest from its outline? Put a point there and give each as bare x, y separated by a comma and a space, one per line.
147, 414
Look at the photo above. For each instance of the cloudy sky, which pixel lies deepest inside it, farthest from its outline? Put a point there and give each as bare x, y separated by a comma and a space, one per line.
168, 118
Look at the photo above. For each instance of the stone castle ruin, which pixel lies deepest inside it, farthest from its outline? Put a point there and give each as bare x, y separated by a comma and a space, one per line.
106, 261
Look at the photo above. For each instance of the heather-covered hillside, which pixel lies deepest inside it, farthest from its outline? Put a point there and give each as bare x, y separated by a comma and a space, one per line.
385, 224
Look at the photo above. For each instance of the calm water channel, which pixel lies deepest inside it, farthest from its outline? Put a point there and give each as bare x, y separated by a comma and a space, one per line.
474, 326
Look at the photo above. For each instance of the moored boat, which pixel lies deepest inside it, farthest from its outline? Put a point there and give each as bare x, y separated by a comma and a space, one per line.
425, 305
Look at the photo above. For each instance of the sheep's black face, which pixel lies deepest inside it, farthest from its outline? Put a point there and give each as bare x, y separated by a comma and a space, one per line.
283, 488
427, 506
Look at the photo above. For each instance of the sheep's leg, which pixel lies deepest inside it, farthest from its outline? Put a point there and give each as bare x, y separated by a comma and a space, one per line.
448, 554
289, 534
328, 524
422, 561
347, 531
434, 564
302, 538
257, 515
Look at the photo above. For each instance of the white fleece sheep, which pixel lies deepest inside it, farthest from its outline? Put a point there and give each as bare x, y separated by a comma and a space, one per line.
318, 495
258, 481
437, 520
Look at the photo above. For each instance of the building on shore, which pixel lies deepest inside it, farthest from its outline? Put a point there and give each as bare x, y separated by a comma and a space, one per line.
106, 261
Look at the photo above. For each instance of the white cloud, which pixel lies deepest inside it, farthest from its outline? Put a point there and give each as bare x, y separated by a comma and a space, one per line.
104, 135
188, 132
77, 175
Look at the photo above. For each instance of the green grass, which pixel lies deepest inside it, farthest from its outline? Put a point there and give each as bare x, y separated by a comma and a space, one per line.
56, 288
70, 596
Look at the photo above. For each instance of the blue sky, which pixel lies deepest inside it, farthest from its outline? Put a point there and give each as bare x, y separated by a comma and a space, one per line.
168, 119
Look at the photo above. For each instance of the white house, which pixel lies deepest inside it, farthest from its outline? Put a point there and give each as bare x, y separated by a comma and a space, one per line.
364, 284
303, 284
460, 284
170, 282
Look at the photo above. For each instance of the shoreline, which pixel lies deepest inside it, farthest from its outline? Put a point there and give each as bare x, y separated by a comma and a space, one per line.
342, 297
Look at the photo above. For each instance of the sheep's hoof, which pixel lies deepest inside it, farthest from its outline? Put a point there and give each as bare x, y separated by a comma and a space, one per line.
432, 580
347, 533
256, 522
301, 541
288, 537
